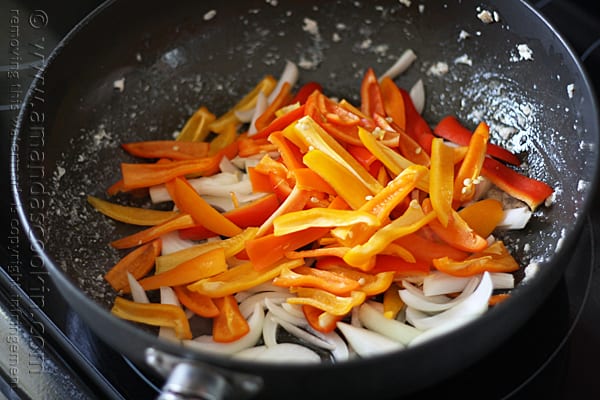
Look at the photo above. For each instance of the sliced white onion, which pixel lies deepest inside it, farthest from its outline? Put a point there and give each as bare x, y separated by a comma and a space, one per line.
482, 188
438, 283
414, 297
245, 116
247, 305
417, 95
503, 280
401, 65
340, 350
278, 311
269, 332
515, 218
441, 330
221, 184
475, 304
367, 343
289, 75
288, 353
302, 334
261, 106
168, 296
225, 165
354, 319
250, 353
172, 242
293, 309
207, 343
137, 291
377, 322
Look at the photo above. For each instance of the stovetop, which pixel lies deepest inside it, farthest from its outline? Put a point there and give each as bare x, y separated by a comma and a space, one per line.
51, 353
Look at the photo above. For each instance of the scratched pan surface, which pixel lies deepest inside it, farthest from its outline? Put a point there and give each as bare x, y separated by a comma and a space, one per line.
173, 59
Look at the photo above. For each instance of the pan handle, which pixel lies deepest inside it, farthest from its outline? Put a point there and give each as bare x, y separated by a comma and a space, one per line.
189, 379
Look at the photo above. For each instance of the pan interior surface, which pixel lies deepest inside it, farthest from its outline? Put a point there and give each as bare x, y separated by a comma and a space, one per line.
168, 61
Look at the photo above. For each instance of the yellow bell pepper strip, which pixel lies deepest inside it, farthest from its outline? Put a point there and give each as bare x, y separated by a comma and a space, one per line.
451, 129
305, 133
266, 85
524, 188
232, 246
470, 168
371, 284
241, 277
382, 204
392, 303
283, 98
457, 233
142, 175
370, 95
189, 201
312, 277
483, 216
181, 221
362, 256
441, 179
201, 305
320, 320
328, 302
227, 137
394, 249
346, 184
424, 249
167, 315
495, 258
230, 325
131, 215
321, 217
196, 128
138, 263
393, 103
203, 266
171, 149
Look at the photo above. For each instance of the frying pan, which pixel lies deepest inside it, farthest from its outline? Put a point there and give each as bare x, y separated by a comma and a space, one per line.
175, 58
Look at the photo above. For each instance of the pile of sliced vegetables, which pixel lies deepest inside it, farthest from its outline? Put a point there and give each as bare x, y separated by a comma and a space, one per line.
358, 230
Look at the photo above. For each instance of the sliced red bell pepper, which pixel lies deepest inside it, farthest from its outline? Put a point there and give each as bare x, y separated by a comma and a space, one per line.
416, 126
370, 95
451, 129
524, 188
306, 90
280, 123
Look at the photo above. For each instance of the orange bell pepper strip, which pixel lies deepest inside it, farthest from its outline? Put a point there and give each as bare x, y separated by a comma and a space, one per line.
426, 250
326, 301
393, 102
266, 85
441, 179
181, 221
229, 325
138, 263
290, 154
495, 258
227, 137
498, 298
457, 233
312, 277
241, 277
362, 256
203, 266
295, 201
318, 252
201, 305
307, 179
483, 216
470, 168
399, 266
321, 217
172, 149
267, 166
131, 215
451, 129
281, 122
196, 127
370, 95
167, 315
305, 133
190, 202
268, 116
319, 319
232, 246
260, 182
371, 284
146, 175
341, 179
278, 246
524, 188
392, 303
249, 146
